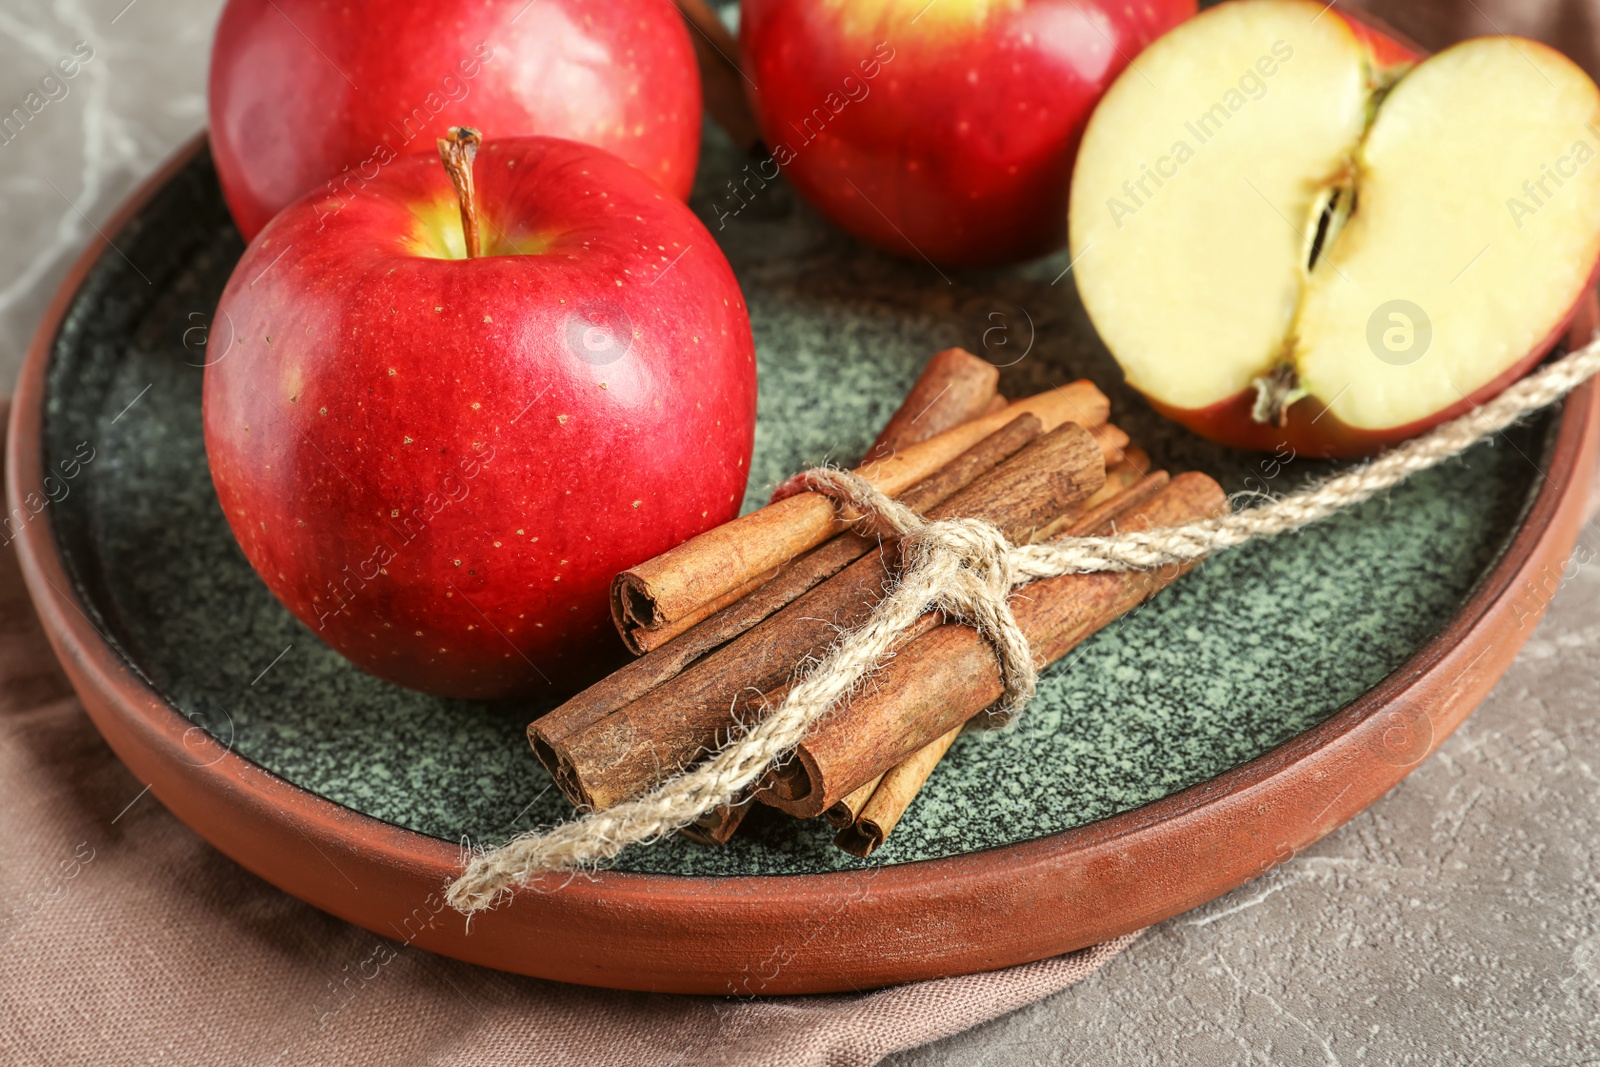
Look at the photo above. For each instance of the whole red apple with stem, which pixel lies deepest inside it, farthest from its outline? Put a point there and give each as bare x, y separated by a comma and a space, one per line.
1295, 233
445, 421
307, 94
945, 130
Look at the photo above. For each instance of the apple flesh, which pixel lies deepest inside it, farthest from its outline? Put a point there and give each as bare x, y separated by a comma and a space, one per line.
306, 94
943, 131
438, 463
1311, 237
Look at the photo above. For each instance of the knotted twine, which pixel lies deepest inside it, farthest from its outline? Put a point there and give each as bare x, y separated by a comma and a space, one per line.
966, 569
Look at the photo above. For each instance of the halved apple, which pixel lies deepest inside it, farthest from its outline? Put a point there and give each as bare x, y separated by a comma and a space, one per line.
1292, 230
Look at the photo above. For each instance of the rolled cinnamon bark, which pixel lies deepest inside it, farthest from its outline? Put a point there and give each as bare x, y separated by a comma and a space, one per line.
895, 791
1113, 442
640, 640
717, 826
844, 814
1124, 490
634, 680
955, 387
867, 816
941, 679
704, 568
1134, 458
635, 747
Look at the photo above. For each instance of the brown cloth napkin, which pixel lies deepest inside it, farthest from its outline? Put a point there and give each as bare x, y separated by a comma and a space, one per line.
126, 939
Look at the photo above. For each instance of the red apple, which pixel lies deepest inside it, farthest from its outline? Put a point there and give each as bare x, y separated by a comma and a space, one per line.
1293, 231
438, 462
942, 130
307, 94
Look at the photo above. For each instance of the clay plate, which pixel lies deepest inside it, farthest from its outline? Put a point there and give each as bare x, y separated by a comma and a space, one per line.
1252, 709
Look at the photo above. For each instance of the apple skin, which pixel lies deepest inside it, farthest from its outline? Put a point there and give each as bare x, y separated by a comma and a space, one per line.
954, 143
1309, 429
438, 464
303, 91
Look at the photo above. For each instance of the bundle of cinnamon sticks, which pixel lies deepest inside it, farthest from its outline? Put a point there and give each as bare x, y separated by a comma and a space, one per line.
723, 623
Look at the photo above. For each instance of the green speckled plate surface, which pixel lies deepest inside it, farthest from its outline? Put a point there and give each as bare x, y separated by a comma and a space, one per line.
1244, 654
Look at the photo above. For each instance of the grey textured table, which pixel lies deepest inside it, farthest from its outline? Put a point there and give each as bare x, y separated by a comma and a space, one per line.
1457, 921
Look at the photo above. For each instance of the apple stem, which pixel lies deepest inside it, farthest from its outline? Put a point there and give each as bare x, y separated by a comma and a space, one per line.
457, 148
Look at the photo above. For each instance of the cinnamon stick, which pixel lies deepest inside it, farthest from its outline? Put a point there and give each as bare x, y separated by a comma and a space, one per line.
1136, 458
634, 680
717, 826
1113, 442
1127, 485
640, 640
941, 679
704, 568
895, 791
630, 750
848, 809
1124, 490
955, 387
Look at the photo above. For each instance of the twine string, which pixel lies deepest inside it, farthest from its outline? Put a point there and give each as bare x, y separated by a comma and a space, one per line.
966, 569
